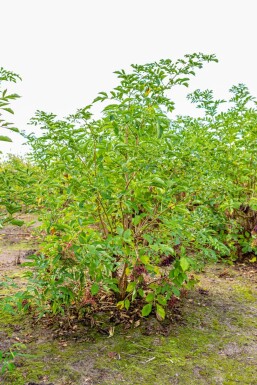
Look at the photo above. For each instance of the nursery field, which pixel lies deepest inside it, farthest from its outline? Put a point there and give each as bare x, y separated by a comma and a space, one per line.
128, 239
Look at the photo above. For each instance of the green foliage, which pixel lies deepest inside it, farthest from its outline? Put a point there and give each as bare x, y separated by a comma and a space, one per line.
11, 191
7, 359
111, 210
5, 99
134, 200
18, 179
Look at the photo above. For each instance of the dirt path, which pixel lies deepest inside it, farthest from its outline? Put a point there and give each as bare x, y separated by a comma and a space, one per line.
211, 340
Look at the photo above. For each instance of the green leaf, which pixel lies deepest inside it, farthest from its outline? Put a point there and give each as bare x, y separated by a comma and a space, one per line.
114, 287
14, 129
147, 309
5, 139
145, 259
181, 277
95, 288
12, 208
149, 297
175, 291
158, 182
127, 234
136, 220
17, 222
82, 237
159, 129
127, 303
160, 311
184, 263
141, 292
10, 366
131, 286
8, 110
67, 291
148, 238
162, 300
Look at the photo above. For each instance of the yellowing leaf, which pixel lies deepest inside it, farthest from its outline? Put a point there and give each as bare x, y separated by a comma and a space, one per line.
145, 259
184, 263
120, 305
160, 312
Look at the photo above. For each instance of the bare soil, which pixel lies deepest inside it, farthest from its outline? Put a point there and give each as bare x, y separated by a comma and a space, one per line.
210, 339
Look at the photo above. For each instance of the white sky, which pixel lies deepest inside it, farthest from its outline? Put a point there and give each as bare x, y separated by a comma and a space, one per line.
66, 51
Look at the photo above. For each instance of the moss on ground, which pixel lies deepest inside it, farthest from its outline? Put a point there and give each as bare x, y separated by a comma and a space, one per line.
211, 341
202, 349
244, 293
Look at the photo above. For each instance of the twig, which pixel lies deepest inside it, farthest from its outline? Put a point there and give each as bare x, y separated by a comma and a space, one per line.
132, 355
149, 360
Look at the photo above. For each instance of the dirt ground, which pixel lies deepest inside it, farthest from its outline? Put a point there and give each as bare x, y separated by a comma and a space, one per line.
18, 242
210, 339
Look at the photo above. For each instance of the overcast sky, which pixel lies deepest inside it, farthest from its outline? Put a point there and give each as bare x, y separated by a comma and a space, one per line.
66, 51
